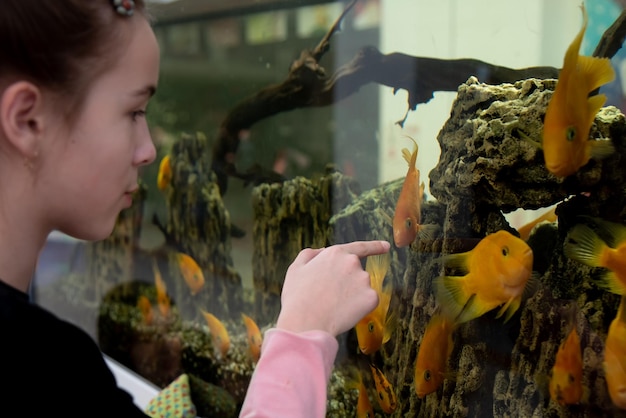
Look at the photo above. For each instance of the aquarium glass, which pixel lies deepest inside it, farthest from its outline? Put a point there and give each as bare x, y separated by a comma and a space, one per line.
281, 125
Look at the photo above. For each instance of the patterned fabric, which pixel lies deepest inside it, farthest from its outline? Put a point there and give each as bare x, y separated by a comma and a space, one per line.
174, 401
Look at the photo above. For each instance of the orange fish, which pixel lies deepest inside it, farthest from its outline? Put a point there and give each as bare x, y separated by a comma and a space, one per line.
219, 334
163, 300
584, 245
526, 229
363, 406
164, 177
433, 355
566, 377
386, 395
498, 271
255, 340
145, 307
406, 219
571, 112
191, 272
375, 328
614, 363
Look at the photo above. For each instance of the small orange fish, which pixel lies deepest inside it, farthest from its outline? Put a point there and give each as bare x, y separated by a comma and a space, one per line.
219, 334
614, 363
566, 378
406, 218
571, 112
433, 355
164, 177
163, 300
363, 406
526, 229
375, 328
386, 395
255, 340
145, 307
584, 245
191, 272
498, 271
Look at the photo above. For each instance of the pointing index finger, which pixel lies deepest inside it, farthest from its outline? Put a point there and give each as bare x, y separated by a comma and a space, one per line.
366, 248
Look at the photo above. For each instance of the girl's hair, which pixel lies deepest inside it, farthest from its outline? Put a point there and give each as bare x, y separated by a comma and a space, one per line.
61, 44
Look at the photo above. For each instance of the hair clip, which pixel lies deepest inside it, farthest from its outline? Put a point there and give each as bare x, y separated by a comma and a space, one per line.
124, 7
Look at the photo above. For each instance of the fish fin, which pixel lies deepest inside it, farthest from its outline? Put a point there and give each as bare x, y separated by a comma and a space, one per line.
471, 310
583, 245
610, 282
428, 232
509, 308
528, 139
595, 71
450, 294
594, 103
532, 285
456, 261
610, 232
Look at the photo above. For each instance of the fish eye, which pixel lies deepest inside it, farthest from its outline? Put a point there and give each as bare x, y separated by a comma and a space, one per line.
570, 133
505, 251
370, 326
571, 378
408, 223
381, 396
427, 375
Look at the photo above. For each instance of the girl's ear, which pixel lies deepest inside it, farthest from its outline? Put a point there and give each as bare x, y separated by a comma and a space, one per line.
21, 117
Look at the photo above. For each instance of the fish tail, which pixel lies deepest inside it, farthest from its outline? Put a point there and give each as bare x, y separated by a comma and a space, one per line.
377, 267
584, 245
410, 157
451, 295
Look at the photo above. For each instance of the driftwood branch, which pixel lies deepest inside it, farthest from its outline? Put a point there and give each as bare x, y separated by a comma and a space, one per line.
307, 85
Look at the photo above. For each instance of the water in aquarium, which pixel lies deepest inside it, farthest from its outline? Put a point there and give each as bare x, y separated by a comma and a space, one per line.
485, 140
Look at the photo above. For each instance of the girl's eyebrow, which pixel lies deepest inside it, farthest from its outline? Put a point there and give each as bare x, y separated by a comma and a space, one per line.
146, 91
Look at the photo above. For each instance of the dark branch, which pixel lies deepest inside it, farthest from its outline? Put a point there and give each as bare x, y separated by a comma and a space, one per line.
307, 85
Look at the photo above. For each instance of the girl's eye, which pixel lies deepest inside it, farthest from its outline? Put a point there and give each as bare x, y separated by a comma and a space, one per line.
138, 114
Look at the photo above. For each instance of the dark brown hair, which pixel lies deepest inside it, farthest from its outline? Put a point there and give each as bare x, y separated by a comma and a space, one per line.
60, 44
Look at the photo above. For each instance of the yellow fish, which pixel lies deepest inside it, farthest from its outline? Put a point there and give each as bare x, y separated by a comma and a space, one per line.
406, 218
571, 112
566, 377
255, 340
191, 272
363, 406
526, 229
386, 396
584, 245
163, 300
219, 334
375, 328
432, 358
498, 270
145, 307
164, 177
614, 363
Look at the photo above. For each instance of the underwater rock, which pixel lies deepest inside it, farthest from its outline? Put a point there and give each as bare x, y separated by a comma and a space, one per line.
288, 217
198, 224
485, 169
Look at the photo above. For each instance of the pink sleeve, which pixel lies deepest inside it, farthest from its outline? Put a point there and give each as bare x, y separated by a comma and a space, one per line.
291, 377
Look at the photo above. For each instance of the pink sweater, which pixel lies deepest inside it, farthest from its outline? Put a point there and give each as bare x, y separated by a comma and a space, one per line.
291, 377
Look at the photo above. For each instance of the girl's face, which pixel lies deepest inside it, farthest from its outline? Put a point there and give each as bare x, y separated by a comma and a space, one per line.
88, 173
